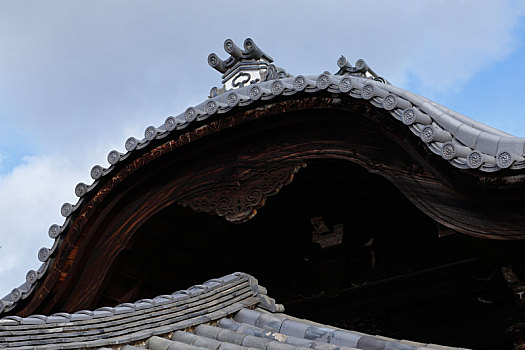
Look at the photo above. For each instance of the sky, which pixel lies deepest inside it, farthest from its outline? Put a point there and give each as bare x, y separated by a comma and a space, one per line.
77, 78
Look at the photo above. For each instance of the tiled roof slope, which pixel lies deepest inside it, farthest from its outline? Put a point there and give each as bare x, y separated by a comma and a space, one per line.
459, 140
197, 318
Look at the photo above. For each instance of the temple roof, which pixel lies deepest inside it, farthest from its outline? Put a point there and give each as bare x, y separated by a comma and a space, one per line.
457, 140
218, 314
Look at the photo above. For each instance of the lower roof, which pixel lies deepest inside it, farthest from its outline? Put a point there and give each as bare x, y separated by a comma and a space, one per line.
229, 313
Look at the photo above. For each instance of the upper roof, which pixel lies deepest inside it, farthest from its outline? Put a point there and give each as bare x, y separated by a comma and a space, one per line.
249, 76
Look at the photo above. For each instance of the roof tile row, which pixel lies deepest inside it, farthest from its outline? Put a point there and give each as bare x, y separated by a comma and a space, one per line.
252, 329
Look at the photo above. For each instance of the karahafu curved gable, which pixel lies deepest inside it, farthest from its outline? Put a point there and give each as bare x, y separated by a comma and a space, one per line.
458, 140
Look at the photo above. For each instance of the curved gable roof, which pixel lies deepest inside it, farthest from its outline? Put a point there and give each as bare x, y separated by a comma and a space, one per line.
459, 141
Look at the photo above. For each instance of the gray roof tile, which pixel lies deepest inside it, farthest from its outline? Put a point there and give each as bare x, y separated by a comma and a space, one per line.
268, 321
232, 337
252, 341
487, 142
371, 343
345, 338
208, 331
247, 316
321, 334
400, 346
294, 328
126, 347
467, 135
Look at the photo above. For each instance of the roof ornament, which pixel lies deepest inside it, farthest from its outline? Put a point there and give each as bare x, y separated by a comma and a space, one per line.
244, 67
361, 69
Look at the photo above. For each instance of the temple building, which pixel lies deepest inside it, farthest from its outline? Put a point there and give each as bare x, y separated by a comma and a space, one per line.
374, 218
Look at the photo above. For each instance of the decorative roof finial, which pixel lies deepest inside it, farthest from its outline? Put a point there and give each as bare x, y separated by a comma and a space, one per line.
361, 69
243, 67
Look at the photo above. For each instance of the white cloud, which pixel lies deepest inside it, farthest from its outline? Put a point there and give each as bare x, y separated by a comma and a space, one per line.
31, 198
74, 74
455, 43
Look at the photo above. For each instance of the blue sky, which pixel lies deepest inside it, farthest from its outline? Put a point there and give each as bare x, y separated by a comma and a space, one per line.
494, 94
77, 78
